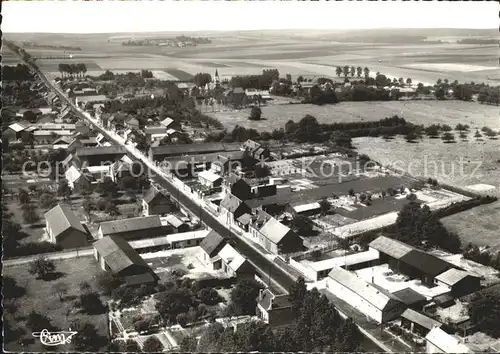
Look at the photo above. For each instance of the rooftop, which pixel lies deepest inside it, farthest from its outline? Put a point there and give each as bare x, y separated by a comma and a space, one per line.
420, 319
453, 276
209, 176
101, 150
131, 224
118, 253
348, 260
274, 231
231, 257
446, 342
212, 243
60, 218
391, 247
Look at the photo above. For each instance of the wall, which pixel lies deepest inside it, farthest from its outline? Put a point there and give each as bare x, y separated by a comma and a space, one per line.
306, 271
354, 300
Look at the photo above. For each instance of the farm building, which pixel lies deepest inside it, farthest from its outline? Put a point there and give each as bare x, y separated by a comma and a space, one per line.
211, 246
460, 282
49, 136
13, 132
232, 208
176, 223
306, 209
418, 323
172, 241
320, 269
275, 310
209, 179
116, 255
278, 238
80, 141
438, 341
77, 181
64, 228
234, 264
407, 260
62, 143
98, 156
55, 126
159, 153
133, 228
156, 202
411, 298
367, 298
170, 123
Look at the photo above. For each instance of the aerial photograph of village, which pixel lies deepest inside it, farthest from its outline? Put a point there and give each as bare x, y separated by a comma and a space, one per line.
250, 177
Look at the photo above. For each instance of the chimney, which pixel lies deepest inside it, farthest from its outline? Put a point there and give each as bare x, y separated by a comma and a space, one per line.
260, 294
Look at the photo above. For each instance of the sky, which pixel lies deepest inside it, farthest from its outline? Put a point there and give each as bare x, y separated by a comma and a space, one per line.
73, 16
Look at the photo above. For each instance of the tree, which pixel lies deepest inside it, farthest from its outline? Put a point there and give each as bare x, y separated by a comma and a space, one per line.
408, 81
297, 294
91, 303
342, 139
484, 312
30, 215
359, 71
244, 296
439, 93
348, 337
307, 129
255, 113
345, 70
189, 344
64, 189
491, 134
325, 206
107, 282
30, 116
152, 345
108, 187
478, 135
366, 72
411, 197
353, 71
24, 197
411, 137
301, 78
47, 201
172, 303
302, 225
36, 322
448, 137
262, 170
463, 135
209, 296
61, 289
131, 346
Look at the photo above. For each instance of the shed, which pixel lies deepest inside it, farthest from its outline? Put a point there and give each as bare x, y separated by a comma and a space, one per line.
64, 228
133, 228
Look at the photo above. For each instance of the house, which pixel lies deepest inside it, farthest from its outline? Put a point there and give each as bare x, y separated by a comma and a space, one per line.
186, 239
460, 282
234, 264
62, 143
238, 187
275, 310
176, 223
77, 180
156, 202
64, 228
116, 255
417, 322
13, 132
170, 124
49, 136
132, 123
256, 150
210, 248
407, 260
133, 228
308, 209
157, 132
411, 298
82, 128
159, 153
278, 238
78, 141
232, 208
438, 341
55, 126
244, 221
365, 297
100, 155
120, 169
209, 179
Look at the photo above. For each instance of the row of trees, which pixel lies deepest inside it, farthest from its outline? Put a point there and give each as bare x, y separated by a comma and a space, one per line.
78, 69
20, 72
489, 95
346, 70
260, 82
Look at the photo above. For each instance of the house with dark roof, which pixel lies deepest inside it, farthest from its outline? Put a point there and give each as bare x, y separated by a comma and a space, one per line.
410, 261
177, 223
238, 187
411, 298
159, 153
232, 208
278, 238
64, 228
459, 281
77, 180
275, 310
234, 264
133, 228
116, 255
98, 156
210, 248
132, 123
156, 202
367, 298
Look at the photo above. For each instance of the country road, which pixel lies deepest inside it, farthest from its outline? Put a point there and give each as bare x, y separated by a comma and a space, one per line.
271, 273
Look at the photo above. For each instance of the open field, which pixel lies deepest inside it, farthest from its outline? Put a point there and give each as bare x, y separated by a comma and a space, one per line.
433, 158
39, 295
300, 53
417, 112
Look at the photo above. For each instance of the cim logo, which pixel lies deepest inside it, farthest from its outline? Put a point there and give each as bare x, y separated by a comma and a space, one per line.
55, 338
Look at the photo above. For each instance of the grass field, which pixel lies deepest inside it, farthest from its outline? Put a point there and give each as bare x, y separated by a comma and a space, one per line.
478, 225
39, 295
418, 112
297, 53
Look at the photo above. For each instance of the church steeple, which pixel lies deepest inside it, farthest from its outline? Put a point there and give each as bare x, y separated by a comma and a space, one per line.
216, 78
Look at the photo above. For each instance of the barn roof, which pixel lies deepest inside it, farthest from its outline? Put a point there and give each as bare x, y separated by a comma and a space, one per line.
131, 224
453, 276
426, 263
446, 342
101, 150
118, 254
60, 218
274, 231
409, 296
379, 298
391, 247
420, 319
